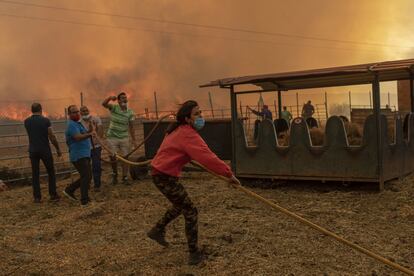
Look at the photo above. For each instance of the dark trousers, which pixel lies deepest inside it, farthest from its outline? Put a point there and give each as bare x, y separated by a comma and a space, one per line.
96, 166
83, 166
47, 160
181, 204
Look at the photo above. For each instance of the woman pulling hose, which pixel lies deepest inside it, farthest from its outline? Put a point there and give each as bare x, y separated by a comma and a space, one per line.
181, 145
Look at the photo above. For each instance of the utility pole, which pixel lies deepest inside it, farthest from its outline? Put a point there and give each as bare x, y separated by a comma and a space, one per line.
156, 104
211, 104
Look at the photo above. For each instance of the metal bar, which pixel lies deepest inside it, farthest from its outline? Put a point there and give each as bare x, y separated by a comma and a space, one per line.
211, 104
156, 104
233, 104
376, 98
370, 98
279, 103
297, 104
15, 157
350, 105
389, 102
255, 91
42, 175
412, 90
241, 110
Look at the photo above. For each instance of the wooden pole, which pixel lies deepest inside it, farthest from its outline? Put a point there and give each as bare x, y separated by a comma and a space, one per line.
146, 113
211, 104
156, 104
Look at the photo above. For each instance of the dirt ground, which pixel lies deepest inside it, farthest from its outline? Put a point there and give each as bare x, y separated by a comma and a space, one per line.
240, 235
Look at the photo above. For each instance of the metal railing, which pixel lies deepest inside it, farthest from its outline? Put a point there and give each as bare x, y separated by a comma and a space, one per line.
15, 157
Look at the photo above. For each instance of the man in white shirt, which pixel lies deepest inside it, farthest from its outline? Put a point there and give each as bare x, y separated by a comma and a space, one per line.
96, 150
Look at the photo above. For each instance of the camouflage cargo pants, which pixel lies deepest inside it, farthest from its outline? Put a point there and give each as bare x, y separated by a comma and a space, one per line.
181, 204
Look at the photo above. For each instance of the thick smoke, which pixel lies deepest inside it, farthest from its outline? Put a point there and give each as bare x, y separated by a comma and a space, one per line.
53, 62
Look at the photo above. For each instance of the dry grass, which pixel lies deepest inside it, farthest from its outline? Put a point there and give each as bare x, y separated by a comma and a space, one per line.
242, 236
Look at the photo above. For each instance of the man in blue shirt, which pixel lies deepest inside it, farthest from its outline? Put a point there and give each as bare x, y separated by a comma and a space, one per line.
78, 141
265, 113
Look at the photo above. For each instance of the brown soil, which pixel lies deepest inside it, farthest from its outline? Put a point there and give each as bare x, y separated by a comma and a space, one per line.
241, 236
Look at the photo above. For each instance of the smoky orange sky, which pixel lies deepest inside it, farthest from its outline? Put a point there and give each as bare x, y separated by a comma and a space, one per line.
52, 62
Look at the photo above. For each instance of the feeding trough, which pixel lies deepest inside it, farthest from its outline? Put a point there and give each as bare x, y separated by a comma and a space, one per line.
377, 159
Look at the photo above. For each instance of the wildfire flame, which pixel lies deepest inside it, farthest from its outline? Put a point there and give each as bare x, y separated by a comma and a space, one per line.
16, 113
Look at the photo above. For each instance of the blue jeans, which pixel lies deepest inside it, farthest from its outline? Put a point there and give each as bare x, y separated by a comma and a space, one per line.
96, 166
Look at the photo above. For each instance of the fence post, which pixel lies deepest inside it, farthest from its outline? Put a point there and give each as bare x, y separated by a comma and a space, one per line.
211, 104
156, 104
297, 104
241, 110
389, 102
370, 99
146, 113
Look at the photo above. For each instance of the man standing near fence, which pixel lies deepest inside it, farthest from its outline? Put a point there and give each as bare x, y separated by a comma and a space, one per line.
286, 115
96, 150
265, 113
308, 110
39, 129
120, 129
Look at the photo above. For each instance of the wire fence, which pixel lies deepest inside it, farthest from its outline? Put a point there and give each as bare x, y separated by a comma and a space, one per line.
15, 163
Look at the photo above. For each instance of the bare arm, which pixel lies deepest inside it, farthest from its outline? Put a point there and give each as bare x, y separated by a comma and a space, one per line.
132, 132
53, 140
80, 137
99, 131
106, 103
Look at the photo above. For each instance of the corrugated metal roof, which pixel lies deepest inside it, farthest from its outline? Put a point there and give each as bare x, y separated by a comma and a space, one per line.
335, 76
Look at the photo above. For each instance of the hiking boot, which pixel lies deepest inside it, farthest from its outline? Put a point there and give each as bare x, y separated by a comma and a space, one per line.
158, 236
37, 200
54, 198
196, 257
70, 195
125, 181
114, 180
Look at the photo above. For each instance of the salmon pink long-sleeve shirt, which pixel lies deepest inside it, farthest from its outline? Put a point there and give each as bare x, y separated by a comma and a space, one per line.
180, 147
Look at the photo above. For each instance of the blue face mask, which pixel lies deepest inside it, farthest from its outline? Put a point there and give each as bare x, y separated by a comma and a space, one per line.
199, 123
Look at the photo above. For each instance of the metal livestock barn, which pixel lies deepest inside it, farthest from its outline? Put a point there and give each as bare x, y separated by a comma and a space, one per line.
376, 160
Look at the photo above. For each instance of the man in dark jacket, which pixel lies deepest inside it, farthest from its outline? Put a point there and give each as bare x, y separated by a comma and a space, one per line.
39, 130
